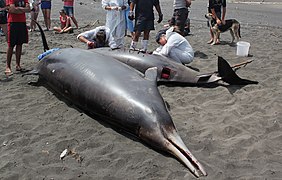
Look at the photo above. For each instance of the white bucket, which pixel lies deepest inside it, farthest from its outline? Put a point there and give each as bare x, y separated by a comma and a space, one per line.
243, 48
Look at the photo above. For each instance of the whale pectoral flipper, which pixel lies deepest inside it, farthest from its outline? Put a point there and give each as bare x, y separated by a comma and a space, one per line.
151, 74
228, 74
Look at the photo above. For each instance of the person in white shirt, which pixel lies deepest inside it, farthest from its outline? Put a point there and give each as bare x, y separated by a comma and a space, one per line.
98, 37
174, 46
115, 19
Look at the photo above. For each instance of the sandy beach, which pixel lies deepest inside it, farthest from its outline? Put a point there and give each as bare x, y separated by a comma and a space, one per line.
234, 131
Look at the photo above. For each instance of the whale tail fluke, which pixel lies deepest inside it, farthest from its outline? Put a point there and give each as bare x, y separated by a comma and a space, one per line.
229, 76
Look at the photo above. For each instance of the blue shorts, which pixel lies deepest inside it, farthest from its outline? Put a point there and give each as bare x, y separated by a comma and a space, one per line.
69, 10
46, 5
142, 25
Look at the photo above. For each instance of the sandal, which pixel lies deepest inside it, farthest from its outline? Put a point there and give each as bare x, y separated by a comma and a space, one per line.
9, 73
21, 69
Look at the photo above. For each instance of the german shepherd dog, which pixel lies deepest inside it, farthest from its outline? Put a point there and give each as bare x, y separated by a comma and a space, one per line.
231, 24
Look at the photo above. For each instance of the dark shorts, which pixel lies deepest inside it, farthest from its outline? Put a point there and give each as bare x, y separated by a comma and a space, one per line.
142, 25
69, 10
46, 5
17, 33
3, 18
179, 18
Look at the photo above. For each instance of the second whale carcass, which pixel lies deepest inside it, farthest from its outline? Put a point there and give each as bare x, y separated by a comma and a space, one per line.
171, 71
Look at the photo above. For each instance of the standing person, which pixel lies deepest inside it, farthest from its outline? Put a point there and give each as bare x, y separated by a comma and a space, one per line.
214, 7
3, 17
65, 23
144, 20
180, 15
174, 46
34, 13
129, 24
98, 37
69, 9
17, 31
115, 19
46, 10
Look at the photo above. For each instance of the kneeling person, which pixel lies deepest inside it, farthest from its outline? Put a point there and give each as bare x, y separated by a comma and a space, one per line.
98, 37
174, 46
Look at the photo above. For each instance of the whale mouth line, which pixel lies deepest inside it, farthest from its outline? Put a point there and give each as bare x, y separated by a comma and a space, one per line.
186, 154
177, 147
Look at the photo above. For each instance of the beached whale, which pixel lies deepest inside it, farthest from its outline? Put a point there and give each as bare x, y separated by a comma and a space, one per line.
118, 94
171, 71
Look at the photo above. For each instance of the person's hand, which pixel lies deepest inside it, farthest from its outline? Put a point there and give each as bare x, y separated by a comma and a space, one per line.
160, 18
188, 3
90, 44
131, 15
123, 7
218, 21
115, 8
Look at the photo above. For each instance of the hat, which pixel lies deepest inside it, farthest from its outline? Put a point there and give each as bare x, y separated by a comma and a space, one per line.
160, 34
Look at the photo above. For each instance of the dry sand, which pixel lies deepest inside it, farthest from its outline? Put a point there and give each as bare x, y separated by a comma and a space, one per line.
234, 131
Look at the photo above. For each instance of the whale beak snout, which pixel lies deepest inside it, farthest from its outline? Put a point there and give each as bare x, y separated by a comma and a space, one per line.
176, 147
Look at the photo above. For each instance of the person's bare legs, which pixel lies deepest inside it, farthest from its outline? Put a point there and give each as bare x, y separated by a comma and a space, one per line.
34, 16
18, 56
211, 40
145, 40
74, 21
47, 20
146, 34
134, 41
9, 59
48, 16
136, 36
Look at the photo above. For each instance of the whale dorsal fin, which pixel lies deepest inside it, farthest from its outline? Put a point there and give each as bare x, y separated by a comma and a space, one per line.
151, 74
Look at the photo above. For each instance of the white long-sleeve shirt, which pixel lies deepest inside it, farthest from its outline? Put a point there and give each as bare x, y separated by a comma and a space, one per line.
91, 34
176, 48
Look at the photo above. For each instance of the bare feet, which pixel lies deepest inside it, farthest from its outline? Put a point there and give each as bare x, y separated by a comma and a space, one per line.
210, 41
8, 72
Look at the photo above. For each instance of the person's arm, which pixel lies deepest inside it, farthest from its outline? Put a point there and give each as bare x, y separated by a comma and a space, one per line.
132, 6
223, 10
4, 8
67, 25
87, 36
106, 6
82, 39
18, 10
188, 3
131, 13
